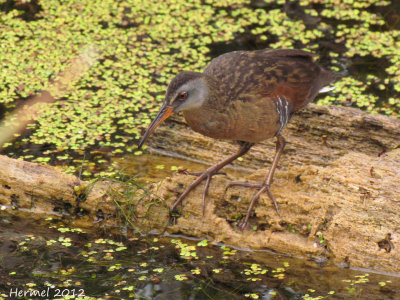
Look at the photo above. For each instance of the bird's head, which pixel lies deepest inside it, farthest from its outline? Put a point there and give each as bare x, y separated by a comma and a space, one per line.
188, 90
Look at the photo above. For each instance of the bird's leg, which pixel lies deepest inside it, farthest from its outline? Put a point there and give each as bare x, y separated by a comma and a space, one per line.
265, 186
208, 173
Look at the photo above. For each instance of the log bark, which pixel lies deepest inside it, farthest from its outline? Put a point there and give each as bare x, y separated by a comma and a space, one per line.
337, 188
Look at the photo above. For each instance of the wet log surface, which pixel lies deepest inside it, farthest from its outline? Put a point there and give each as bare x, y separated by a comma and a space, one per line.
337, 189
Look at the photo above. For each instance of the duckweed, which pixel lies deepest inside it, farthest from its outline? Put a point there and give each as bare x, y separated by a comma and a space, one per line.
141, 44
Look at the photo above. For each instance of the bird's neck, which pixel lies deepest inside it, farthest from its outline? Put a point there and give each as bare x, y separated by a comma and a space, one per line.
209, 119
214, 100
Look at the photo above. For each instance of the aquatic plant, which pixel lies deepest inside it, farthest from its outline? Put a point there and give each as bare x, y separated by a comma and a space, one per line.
142, 44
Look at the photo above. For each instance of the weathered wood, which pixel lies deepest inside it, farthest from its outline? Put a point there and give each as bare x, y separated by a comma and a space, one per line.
42, 189
316, 135
337, 188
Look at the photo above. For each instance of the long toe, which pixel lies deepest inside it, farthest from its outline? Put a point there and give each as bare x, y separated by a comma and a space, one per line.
263, 188
195, 173
272, 197
207, 174
244, 184
243, 225
205, 191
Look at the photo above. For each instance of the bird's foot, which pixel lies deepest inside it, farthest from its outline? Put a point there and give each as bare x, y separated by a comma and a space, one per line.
263, 187
243, 224
205, 175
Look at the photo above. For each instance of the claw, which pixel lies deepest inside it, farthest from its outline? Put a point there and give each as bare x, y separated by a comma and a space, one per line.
272, 197
242, 226
211, 171
173, 217
206, 174
264, 187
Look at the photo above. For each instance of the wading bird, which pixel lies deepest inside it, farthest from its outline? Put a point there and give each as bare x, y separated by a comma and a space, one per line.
247, 96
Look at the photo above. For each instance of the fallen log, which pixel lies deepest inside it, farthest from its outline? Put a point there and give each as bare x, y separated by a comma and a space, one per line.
337, 188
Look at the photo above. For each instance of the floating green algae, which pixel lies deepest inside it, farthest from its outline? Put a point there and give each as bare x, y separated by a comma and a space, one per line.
142, 44
73, 263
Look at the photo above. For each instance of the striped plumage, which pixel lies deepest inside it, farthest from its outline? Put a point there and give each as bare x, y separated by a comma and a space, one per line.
247, 96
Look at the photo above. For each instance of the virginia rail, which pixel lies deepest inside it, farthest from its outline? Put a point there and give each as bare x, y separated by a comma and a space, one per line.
247, 96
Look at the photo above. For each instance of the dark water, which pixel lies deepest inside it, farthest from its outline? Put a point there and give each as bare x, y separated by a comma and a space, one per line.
358, 67
157, 165
35, 256
47, 257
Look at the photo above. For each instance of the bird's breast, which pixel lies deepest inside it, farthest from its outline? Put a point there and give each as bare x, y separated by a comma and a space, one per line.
249, 121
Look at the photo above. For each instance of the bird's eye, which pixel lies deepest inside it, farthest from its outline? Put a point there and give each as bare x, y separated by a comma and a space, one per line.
182, 96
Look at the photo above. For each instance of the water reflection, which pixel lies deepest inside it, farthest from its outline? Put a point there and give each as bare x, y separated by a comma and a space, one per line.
37, 256
158, 165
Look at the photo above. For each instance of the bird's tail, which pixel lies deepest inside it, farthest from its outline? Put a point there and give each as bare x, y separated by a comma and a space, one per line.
326, 89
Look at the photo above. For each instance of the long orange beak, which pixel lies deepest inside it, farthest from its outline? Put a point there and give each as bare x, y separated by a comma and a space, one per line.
163, 114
